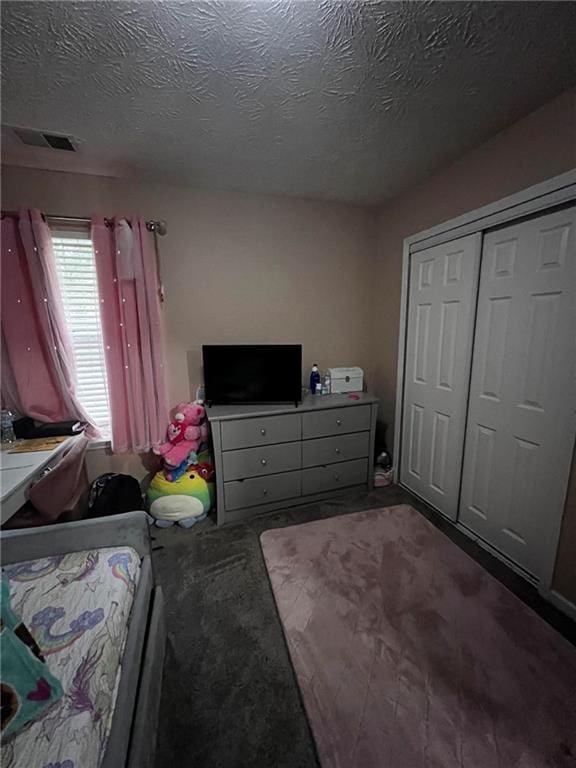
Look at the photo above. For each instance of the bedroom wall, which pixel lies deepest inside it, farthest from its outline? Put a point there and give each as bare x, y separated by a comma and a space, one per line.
236, 268
539, 146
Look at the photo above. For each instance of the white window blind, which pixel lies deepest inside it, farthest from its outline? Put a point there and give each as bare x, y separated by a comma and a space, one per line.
76, 270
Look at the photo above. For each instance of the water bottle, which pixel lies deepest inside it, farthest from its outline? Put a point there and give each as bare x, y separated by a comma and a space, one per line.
7, 427
315, 380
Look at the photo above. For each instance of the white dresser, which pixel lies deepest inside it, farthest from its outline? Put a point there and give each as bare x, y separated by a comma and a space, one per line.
270, 457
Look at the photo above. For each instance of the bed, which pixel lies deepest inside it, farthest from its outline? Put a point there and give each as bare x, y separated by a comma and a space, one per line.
86, 591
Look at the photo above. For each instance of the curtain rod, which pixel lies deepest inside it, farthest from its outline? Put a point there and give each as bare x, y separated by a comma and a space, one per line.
82, 219
155, 227
158, 227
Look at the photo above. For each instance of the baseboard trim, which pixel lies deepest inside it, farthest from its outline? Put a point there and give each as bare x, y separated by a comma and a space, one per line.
497, 554
560, 602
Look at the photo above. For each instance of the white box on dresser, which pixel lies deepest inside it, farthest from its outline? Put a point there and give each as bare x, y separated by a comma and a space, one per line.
268, 457
346, 379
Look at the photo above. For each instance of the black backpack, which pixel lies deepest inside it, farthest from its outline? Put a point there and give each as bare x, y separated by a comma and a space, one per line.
113, 494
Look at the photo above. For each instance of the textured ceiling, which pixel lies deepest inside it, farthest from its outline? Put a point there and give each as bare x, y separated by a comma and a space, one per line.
335, 100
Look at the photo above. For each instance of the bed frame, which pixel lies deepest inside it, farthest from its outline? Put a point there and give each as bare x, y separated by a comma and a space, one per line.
132, 740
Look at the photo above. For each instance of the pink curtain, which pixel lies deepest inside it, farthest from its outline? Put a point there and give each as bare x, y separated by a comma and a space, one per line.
131, 325
38, 377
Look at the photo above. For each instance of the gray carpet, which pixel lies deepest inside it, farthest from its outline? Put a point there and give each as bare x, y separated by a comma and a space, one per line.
230, 697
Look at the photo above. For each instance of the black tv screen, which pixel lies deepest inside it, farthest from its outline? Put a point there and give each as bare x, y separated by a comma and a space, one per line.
252, 373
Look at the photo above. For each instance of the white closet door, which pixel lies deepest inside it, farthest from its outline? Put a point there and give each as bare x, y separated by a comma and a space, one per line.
521, 417
442, 296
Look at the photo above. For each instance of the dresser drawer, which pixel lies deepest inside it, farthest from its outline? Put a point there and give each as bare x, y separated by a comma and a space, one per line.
328, 450
245, 433
263, 460
336, 421
335, 476
262, 490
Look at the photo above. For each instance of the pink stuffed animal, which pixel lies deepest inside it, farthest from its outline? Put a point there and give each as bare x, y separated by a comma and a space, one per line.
186, 433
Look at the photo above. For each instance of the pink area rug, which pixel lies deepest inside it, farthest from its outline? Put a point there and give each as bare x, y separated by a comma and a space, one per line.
409, 655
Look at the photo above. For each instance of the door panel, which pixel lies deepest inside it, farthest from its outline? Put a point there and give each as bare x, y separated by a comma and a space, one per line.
443, 284
448, 328
421, 349
521, 419
415, 448
483, 452
493, 359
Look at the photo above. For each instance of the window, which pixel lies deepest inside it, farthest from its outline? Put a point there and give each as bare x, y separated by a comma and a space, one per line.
76, 270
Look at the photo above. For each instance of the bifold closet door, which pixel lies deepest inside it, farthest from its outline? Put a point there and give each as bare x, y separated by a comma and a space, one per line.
521, 419
441, 306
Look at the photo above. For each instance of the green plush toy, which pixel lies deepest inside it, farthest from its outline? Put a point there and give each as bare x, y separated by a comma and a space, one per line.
184, 501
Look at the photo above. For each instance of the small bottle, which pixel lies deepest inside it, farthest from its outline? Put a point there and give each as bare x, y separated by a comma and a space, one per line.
6, 427
326, 385
315, 380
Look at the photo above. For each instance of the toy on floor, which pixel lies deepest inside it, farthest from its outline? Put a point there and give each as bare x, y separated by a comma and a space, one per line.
185, 501
182, 491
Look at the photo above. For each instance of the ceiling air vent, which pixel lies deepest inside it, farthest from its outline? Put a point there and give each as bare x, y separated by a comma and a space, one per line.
59, 142
39, 139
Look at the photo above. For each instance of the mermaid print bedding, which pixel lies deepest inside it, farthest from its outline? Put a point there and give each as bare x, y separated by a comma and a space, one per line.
76, 607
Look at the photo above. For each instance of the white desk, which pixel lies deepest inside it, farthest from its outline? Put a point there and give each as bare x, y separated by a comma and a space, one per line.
17, 473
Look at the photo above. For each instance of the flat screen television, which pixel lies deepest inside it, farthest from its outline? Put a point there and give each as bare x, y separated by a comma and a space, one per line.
252, 373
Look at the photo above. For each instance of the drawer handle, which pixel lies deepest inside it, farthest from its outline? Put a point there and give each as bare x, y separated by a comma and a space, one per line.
265, 492
339, 422
264, 462
336, 477
262, 431
337, 450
